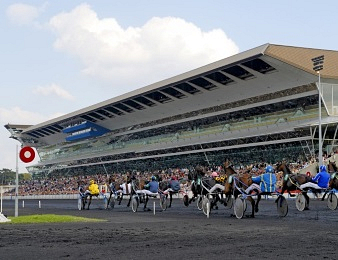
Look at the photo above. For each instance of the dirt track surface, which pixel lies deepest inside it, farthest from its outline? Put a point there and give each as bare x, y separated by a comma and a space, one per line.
178, 233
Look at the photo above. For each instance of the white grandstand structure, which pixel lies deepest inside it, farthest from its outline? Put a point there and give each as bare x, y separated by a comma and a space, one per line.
258, 105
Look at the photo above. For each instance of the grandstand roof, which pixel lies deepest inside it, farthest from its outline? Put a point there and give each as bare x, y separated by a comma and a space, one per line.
265, 69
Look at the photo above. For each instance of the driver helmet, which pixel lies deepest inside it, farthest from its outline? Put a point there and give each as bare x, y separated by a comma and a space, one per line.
269, 169
91, 182
322, 168
153, 178
214, 174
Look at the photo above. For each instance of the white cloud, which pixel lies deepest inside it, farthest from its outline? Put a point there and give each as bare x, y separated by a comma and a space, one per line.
53, 89
16, 115
23, 14
161, 48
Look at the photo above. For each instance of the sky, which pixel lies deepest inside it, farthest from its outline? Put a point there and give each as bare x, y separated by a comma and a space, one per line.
57, 57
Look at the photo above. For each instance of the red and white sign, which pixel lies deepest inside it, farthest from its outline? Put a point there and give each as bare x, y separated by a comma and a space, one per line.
27, 154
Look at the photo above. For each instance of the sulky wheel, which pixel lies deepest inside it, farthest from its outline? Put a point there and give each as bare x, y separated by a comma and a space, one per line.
301, 202
239, 207
105, 202
80, 203
332, 201
199, 202
186, 200
229, 199
282, 206
112, 201
134, 203
206, 206
163, 202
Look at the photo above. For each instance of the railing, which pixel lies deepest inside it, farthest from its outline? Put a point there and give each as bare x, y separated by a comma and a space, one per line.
214, 129
37, 197
65, 196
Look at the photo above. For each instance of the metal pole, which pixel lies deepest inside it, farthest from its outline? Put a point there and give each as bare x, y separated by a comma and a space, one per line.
17, 183
320, 154
1, 191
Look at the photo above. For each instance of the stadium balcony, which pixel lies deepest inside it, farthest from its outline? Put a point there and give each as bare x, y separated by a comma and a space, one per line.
269, 124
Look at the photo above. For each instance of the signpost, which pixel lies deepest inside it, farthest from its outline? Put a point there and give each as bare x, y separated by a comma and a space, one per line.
318, 63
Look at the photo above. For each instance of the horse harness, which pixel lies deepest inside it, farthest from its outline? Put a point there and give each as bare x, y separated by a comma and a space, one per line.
288, 177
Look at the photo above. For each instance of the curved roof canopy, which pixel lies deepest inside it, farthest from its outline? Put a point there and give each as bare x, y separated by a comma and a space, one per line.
265, 69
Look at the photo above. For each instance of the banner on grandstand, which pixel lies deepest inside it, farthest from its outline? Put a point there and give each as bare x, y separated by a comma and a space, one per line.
27, 154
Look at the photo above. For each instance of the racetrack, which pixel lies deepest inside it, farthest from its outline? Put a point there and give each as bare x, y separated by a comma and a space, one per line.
178, 233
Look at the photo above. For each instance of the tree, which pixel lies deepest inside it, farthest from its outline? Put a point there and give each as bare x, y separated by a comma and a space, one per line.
7, 176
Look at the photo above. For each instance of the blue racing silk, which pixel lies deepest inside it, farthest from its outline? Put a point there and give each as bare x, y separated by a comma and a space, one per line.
322, 178
266, 181
152, 186
174, 185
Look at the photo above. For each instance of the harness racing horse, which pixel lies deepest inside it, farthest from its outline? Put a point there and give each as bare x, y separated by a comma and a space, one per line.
138, 189
85, 194
291, 181
113, 187
201, 185
235, 182
164, 185
136, 184
195, 177
333, 183
333, 170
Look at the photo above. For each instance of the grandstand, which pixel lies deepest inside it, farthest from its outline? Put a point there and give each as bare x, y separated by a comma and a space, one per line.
258, 105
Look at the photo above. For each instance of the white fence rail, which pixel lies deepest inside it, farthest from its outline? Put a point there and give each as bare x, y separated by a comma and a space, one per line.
42, 197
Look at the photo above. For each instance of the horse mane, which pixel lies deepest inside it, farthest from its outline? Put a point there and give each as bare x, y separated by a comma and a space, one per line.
200, 170
333, 165
229, 170
284, 168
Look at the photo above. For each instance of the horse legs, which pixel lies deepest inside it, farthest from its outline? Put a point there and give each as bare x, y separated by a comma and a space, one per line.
84, 201
170, 198
307, 201
224, 200
145, 204
290, 194
110, 194
215, 199
252, 207
130, 197
288, 189
121, 197
89, 202
259, 196
194, 195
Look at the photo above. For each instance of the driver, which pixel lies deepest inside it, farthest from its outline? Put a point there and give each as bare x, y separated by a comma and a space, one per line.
152, 186
267, 181
93, 189
215, 175
320, 181
174, 185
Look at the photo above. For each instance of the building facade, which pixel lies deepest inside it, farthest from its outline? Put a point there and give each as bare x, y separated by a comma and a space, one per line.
258, 105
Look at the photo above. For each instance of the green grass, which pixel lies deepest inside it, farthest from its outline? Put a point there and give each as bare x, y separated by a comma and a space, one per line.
48, 218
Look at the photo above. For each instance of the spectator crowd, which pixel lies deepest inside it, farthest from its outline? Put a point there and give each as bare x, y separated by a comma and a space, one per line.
65, 185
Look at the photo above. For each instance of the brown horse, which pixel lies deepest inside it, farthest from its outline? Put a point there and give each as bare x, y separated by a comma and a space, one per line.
291, 181
235, 183
332, 169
